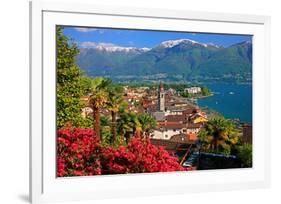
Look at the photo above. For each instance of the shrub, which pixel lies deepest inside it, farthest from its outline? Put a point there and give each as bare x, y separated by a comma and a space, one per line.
245, 152
80, 154
139, 157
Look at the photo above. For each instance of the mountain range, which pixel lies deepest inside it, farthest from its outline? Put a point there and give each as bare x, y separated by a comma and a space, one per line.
173, 60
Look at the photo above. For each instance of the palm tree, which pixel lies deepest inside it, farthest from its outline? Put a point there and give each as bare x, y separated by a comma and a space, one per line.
219, 134
98, 99
128, 125
115, 99
147, 122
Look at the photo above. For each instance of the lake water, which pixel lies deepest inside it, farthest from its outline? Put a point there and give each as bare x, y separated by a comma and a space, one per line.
233, 101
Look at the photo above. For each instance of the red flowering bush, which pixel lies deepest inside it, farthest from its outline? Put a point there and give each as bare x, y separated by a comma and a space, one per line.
80, 154
139, 157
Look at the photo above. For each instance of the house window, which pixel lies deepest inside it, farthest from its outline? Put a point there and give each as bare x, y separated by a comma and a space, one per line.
174, 130
166, 136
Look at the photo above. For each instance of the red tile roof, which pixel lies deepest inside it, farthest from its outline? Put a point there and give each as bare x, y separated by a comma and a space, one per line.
193, 125
178, 125
192, 136
171, 118
171, 145
175, 125
182, 138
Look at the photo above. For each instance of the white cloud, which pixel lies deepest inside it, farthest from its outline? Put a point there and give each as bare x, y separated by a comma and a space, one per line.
111, 47
88, 44
85, 30
131, 43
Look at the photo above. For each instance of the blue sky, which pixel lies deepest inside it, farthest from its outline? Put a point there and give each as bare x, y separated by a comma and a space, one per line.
149, 39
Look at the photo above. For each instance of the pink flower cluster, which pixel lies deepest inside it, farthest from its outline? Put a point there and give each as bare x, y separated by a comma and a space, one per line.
139, 157
80, 154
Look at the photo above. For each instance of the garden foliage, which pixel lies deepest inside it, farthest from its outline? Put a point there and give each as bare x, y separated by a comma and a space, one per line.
79, 153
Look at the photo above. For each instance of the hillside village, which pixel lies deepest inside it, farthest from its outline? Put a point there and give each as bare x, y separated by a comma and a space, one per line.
179, 121
176, 117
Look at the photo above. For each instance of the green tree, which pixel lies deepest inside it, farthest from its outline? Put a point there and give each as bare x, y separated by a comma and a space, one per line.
98, 99
245, 152
205, 91
128, 125
105, 129
147, 122
69, 88
114, 103
219, 135
186, 94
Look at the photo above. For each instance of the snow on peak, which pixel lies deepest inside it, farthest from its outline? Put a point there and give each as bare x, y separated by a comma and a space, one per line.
248, 42
214, 45
109, 47
172, 43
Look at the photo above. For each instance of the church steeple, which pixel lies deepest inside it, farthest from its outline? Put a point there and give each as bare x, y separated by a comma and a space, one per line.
161, 97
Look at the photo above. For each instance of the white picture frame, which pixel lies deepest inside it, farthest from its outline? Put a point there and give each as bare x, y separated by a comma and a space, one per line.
45, 187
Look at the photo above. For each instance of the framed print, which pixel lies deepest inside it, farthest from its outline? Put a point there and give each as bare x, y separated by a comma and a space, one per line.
123, 99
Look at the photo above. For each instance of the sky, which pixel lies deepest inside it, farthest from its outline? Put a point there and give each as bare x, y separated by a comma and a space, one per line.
146, 38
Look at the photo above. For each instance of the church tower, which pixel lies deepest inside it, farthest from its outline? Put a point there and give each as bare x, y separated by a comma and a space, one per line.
161, 98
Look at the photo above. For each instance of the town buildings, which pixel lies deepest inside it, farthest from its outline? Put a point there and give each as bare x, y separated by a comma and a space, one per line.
193, 90
176, 116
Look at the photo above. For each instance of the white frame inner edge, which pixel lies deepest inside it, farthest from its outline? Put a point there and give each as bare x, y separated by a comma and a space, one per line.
45, 187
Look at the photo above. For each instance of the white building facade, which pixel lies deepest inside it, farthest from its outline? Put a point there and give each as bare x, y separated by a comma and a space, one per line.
193, 90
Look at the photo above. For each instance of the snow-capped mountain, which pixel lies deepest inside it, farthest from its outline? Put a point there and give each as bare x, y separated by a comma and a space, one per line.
172, 43
109, 47
182, 57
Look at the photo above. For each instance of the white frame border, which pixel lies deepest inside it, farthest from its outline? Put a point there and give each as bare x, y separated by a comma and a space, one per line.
36, 89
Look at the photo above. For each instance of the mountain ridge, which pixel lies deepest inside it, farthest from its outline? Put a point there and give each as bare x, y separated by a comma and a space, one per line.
182, 57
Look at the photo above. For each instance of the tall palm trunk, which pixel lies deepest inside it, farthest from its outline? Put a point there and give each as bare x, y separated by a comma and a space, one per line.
113, 126
216, 143
97, 123
146, 134
127, 137
137, 132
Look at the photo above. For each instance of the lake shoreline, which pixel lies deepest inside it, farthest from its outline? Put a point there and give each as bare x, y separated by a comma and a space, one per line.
233, 101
